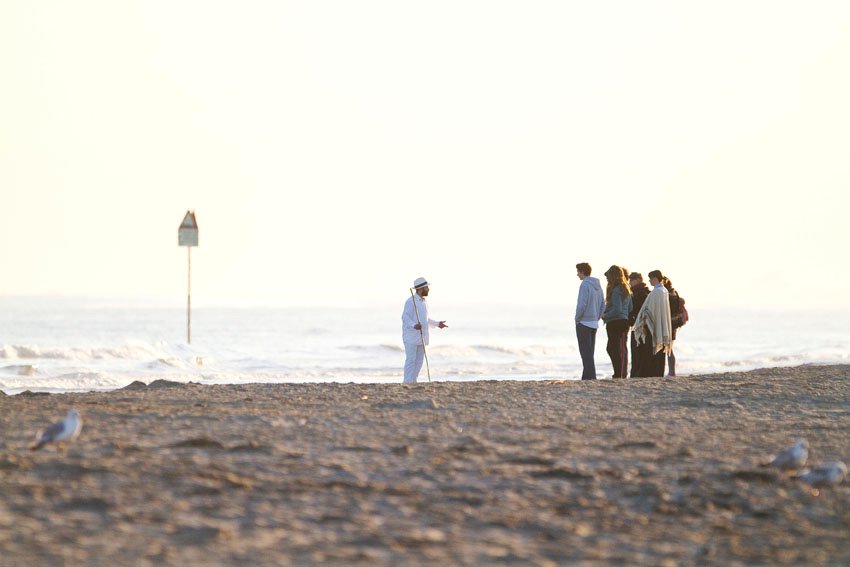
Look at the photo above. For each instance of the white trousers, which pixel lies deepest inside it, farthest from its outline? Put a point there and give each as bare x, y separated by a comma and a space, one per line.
414, 357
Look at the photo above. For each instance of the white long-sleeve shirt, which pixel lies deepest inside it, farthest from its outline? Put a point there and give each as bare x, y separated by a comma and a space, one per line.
409, 334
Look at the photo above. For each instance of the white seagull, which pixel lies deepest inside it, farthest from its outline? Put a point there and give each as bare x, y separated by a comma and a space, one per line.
65, 430
825, 475
793, 458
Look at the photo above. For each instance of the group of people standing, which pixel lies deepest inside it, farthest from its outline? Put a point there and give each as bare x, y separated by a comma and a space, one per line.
653, 316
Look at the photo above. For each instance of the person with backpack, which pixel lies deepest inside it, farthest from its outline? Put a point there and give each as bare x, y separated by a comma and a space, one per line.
678, 317
618, 303
640, 352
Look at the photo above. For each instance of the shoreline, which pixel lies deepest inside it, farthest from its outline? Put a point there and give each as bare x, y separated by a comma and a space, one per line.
637, 471
423, 380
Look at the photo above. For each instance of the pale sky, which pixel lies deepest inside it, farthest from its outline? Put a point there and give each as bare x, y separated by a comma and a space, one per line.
334, 151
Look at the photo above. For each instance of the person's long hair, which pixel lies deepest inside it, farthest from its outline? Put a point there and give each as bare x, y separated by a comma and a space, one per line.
616, 278
665, 281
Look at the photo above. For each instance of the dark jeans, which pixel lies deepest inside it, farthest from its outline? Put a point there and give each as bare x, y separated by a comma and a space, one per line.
586, 347
618, 331
655, 367
641, 353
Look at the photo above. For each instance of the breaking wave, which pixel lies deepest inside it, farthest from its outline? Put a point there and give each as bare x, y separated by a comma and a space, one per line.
34, 352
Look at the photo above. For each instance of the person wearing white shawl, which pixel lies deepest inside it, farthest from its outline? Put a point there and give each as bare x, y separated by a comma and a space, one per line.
653, 323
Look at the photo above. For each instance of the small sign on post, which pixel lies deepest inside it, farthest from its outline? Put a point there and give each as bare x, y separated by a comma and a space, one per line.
187, 235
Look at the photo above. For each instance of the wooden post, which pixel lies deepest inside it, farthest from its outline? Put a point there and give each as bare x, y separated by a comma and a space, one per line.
189, 300
187, 235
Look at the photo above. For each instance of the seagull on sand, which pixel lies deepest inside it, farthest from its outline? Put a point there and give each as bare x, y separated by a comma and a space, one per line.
825, 475
793, 458
65, 430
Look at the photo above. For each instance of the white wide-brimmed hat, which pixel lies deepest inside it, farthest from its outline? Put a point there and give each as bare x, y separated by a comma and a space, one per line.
420, 282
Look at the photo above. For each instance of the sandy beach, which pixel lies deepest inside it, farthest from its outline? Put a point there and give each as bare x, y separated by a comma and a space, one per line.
642, 471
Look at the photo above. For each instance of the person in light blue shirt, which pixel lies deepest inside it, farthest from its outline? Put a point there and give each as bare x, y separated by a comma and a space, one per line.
589, 308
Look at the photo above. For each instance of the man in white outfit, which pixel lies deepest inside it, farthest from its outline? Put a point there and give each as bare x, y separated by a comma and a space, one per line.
414, 330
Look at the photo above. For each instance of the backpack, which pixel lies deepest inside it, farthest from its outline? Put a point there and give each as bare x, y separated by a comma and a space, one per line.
681, 317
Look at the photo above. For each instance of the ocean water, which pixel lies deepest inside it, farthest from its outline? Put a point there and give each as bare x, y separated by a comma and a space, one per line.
52, 344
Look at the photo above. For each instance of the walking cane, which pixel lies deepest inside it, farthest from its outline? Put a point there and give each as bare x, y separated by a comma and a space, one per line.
421, 336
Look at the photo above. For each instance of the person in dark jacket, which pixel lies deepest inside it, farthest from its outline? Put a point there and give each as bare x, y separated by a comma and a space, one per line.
676, 316
618, 304
641, 353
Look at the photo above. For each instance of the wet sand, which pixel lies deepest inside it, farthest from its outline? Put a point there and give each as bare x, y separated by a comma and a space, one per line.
642, 471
